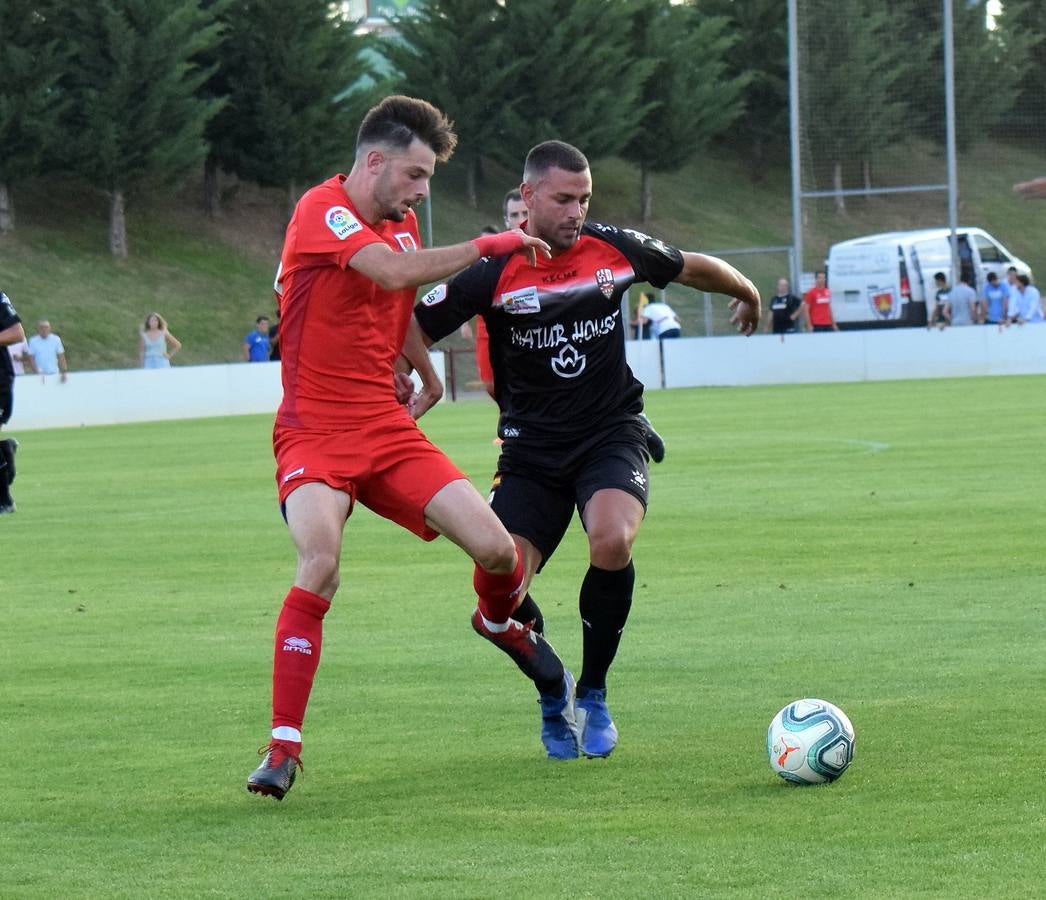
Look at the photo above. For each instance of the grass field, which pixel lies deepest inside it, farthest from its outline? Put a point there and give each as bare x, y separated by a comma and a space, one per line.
878, 545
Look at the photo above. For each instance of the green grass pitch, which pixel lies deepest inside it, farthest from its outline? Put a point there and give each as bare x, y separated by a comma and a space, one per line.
879, 545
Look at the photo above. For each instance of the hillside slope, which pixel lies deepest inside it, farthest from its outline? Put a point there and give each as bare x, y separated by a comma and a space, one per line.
212, 278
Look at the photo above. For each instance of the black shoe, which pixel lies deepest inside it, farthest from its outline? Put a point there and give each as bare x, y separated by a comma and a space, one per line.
529, 650
6, 508
276, 774
655, 445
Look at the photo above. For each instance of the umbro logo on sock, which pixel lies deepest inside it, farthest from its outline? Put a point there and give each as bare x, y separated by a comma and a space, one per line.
297, 645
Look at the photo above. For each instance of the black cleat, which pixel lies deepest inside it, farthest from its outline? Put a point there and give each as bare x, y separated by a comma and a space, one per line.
529, 650
276, 774
655, 444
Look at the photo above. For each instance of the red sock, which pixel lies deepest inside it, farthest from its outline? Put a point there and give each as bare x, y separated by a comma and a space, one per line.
299, 633
498, 594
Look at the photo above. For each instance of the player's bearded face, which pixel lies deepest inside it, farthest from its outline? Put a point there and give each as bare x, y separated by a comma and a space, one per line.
558, 205
403, 181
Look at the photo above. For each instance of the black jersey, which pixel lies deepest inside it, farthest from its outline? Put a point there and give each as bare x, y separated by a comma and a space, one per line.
556, 336
782, 308
8, 317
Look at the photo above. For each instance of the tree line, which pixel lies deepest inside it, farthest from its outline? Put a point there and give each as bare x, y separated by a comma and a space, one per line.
134, 94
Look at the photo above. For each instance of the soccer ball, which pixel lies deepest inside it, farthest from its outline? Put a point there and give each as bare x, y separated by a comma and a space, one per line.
810, 742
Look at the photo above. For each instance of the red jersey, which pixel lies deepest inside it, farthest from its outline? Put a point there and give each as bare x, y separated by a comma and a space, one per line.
818, 304
340, 332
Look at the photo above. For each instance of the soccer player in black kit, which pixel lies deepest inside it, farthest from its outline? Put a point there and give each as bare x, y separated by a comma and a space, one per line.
11, 332
570, 405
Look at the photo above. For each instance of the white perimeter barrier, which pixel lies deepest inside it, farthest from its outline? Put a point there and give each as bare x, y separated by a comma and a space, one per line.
877, 355
142, 395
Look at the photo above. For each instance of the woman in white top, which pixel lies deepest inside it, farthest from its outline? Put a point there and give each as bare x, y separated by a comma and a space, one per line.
158, 345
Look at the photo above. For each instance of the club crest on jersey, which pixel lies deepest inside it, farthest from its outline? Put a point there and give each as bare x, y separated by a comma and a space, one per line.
605, 280
406, 241
521, 301
437, 295
341, 222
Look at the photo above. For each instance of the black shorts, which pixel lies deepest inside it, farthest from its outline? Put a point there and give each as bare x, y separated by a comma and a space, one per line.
7, 396
535, 492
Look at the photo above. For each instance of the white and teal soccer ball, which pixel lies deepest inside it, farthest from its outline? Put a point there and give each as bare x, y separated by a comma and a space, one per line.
810, 742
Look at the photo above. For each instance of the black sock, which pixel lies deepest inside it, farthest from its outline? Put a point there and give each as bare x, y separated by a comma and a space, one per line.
606, 598
528, 611
5, 494
7, 451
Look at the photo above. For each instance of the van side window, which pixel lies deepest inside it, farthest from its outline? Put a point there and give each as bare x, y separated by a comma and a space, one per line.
989, 250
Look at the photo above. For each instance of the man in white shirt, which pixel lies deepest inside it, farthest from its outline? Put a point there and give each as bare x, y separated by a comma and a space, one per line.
664, 323
1028, 303
47, 351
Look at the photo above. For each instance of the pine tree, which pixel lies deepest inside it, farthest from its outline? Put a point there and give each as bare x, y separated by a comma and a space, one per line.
30, 104
461, 56
135, 118
690, 99
760, 28
286, 65
851, 95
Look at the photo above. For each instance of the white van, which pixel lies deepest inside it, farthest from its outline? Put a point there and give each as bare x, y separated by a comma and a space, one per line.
886, 279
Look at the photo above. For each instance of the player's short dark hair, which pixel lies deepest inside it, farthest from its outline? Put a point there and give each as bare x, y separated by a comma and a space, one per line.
940, 276
992, 276
553, 155
511, 196
1023, 279
399, 120
261, 319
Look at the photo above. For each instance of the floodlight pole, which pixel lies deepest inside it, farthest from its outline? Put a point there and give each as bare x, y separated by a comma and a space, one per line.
949, 118
793, 127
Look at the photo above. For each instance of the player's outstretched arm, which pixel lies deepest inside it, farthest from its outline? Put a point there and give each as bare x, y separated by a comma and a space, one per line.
709, 273
396, 271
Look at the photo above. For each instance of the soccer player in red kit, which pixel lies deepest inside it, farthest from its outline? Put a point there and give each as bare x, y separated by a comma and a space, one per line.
345, 433
570, 405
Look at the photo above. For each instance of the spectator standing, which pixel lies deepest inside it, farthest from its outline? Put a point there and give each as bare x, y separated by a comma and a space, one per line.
664, 323
274, 339
256, 345
157, 344
641, 326
11, 332
48, 351
1014, 299
965, 307
20, 357
1029, 303
996, 299
818, 302
941, 313
785, 310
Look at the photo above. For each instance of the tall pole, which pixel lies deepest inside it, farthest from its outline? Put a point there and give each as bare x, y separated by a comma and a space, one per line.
793, 125
949, 118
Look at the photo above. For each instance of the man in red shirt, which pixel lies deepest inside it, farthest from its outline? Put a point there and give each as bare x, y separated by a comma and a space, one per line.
345, 431
818, 302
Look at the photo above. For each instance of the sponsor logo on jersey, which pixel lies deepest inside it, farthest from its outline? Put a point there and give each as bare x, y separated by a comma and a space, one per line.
638, 235
569, 363
521, 301
638, 478
605, 280
437, 295
406, 241
553, 277
297, 645
341, 222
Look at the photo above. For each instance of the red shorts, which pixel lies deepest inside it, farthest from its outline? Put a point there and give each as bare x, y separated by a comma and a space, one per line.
486, 373
388, 465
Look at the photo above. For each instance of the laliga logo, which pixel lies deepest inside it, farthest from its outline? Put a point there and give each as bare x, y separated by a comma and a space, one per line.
297, 645
569, 363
